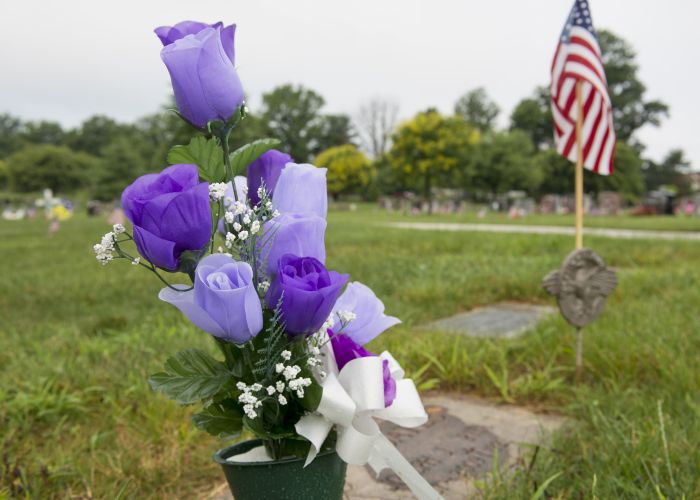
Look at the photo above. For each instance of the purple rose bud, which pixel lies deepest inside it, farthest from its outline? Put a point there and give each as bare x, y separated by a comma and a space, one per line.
370, 319
204, 79
265, 171
292, 233
301, 188
170, 213
224, 301
169, 34
345, 350
308, 292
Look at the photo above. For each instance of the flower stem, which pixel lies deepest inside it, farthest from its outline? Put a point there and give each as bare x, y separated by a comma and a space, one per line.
215, 226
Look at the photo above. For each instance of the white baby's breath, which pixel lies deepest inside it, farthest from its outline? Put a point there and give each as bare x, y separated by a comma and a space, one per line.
217, 190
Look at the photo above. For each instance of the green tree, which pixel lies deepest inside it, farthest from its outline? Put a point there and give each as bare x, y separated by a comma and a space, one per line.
431, 149
333, 130
4, 175
157, 133
627, 178
36, 167
672, 170
98, 131
627, 92
557, 173
533, 116
10, 129
477, 109
291, 114
504, 162
349, 170
43, 132
121, 164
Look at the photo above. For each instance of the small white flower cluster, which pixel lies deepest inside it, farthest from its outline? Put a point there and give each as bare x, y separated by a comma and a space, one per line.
249, 400
346, 317
118, 229
277, 388
105, 248
263, 287
312, 346
326, 325
292, 382
244, 222
298, 385
217, 190
290, 374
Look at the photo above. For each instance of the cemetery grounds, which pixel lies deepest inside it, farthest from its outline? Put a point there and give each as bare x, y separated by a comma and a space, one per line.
77, 342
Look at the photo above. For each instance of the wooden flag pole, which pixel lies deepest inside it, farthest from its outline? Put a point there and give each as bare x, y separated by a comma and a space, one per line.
579, 210
579, 165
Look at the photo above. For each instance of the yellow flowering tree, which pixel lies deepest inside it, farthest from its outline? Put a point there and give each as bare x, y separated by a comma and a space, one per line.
431, 148
349, 170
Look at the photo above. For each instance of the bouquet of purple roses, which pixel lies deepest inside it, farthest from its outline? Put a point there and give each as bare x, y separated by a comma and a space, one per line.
247, 227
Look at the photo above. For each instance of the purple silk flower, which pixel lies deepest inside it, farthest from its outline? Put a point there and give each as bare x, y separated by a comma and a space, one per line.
169, 34
308, 292
345, 350
265, 171
301, 189
370, 319
204, 79
298, 234
224, 301
170, 212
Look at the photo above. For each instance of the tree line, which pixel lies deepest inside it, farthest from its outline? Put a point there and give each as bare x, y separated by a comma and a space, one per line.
368, 154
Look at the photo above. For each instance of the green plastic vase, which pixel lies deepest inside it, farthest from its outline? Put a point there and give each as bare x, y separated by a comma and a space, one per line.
285, 479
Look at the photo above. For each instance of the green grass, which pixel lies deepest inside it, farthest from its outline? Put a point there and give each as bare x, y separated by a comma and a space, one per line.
77, 342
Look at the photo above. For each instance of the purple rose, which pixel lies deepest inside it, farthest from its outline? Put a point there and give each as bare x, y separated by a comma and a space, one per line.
170, 213
345, 350
301, 188
266, 170
170, 34
370, 319
308, 292
297, 234
224, 301
204, 79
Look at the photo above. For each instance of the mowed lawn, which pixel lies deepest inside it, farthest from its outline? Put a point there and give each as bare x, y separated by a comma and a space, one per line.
77, 342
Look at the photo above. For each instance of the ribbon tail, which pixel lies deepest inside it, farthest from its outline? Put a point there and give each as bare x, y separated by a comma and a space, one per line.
385, 455
315, 428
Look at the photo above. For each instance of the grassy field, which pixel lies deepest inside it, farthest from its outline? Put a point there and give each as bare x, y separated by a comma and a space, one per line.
77, 341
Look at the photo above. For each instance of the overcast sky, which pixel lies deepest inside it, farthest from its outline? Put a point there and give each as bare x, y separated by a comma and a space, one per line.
66, 60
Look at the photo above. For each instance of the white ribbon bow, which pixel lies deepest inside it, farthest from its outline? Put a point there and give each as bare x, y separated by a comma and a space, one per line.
352, 398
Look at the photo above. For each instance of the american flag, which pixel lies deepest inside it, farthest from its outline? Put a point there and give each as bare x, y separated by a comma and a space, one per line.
578, 59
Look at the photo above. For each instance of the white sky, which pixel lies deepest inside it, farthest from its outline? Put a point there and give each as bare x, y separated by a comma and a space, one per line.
66, 60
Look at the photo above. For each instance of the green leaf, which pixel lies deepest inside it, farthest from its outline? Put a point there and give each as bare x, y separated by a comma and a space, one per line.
191, 376
245, 155
205, 153
312, 396
233, 356
180, 154
223, 420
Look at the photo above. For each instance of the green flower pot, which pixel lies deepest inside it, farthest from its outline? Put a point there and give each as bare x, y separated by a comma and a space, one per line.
285, 479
